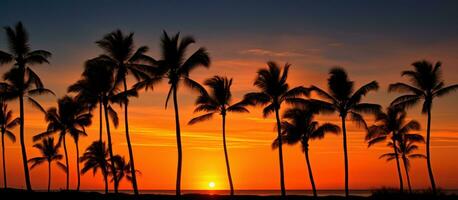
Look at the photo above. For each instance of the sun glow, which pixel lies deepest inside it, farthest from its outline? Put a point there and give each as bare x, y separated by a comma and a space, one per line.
211, 185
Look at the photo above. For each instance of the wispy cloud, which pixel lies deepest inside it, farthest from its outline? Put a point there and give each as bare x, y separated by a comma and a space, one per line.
265, 52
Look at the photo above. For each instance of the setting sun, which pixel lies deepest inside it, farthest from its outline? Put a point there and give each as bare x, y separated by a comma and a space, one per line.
211, 185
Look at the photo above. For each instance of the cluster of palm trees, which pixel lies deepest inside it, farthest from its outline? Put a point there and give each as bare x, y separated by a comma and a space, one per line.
104, 83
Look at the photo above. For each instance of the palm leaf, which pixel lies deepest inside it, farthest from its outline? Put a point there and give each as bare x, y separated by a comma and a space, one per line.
201, 118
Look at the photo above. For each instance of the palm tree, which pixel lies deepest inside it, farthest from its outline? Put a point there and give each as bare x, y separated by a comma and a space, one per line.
119, 50
274, 90
346, 102
122, 169
49, 152
23, 80
300, 126
70, 117
174, 67
6, 124
405, 145
96, 157
391, 125
218, 101
426, 84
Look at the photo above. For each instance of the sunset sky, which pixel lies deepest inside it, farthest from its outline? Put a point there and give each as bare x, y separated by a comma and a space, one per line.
373, 40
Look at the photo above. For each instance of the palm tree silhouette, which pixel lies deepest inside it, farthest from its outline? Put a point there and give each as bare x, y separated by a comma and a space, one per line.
174, 67
218, 101
342, 99
300, 126
391, 125
49, 152
426, 84
405, 144
6, 124
274, 91
122, 169
23, 81
70, 117
94, 158
119, 50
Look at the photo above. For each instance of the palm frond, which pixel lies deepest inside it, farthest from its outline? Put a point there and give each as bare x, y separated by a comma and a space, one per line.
201, 118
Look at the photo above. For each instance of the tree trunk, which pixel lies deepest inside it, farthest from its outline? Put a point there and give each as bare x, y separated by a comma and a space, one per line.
5, 184
404, 160
309, 167
49, 176
178, 134
100, 120
129, 146
226, 157
344, 131
21, 136
428, 153
78, 166
105, 179
66, 162
280, 153
110, 148
401, 184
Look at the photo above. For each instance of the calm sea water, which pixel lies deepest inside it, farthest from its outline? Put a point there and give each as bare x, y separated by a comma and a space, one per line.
265, 192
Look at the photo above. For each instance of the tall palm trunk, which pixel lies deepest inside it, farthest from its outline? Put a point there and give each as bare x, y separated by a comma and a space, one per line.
401, 184
428, 152
226, 157
105, 180
78, 166
21, 136
178, 134
280, 153
344, 131
66, 162
5, 184
110, 149
49, 176
129, 146
404, 160
309, 167
100, 120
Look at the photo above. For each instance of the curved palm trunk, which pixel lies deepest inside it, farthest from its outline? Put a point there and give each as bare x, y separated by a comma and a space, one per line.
105, 179
49, 176
428, 153
129, 146
401, 184
100, 120
23, 151
110, 149
309, 167
66, 163
226, 157
5, 184
404, 160
344, 131
78, 166
178, 134
280, 153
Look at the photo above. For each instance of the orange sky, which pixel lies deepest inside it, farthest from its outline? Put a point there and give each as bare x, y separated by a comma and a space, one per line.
370, 48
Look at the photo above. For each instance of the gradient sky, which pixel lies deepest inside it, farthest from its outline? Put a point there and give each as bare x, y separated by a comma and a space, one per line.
373, 40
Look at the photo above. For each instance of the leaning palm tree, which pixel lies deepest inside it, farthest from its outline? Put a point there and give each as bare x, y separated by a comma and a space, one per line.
274, 90
94, 158
347, 103
49, 153
391, 125
6, 124
174, 67
426, 84
23, 81
122, 169
300, 126
70, 117
405, 145
218, 101
119, 50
